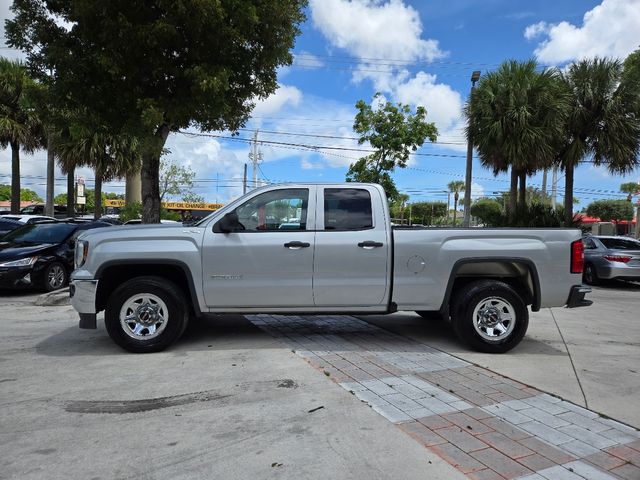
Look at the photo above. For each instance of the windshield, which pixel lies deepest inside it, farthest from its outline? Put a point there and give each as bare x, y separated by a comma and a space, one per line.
40, 233
620, 243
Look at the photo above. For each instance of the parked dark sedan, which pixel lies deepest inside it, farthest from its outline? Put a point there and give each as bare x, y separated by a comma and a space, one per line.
607, 258
8, 225
40, 255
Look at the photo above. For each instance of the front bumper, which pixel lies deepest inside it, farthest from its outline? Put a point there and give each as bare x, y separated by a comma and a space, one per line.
11, 277
83, 299
576, 296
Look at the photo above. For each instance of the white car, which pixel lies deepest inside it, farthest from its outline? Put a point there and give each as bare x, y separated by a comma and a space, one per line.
29, 219
138, 221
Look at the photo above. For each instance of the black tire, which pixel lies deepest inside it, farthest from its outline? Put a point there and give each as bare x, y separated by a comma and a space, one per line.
160, 319
430, 315
494, 299
590, 275
54, 277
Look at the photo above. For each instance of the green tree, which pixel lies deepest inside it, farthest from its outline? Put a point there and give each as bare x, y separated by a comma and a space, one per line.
110, 156
393, 132
455, 187
19, 125
631, 189
26, 195
603, 123
515, 116
176, 180
610, 210
489, 211
427, 213
155, 67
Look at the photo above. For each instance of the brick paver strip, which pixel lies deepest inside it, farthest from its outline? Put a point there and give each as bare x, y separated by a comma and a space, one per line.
604, 460
627, 471
456, 457
500, 463
536, 462
486, 425
625, 453
504, 444
486, 474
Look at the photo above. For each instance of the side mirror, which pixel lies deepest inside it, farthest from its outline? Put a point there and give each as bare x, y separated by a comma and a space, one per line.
229, 223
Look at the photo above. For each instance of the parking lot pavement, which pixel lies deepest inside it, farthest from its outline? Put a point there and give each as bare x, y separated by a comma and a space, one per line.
483, 423
589, 356
227, 402
390, 396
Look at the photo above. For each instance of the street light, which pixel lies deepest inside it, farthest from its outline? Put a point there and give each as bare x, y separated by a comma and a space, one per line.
475, 76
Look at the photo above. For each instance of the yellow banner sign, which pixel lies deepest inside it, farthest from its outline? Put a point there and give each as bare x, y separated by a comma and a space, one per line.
172, 205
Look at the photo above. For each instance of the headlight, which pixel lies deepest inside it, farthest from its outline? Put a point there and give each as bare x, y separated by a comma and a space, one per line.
82, 249
23, 262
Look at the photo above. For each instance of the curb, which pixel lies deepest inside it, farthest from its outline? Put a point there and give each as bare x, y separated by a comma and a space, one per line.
57, 297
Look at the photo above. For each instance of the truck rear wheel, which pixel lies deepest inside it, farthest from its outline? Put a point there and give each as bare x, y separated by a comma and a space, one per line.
146, 314
490, 316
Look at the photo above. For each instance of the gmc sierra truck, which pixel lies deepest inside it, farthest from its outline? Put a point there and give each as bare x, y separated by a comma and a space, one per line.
312, 249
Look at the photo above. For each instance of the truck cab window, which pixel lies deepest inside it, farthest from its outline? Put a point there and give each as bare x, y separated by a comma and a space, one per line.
347, 209
276, 210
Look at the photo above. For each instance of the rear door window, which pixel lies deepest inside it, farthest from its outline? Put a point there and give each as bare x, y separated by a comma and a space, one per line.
347, 209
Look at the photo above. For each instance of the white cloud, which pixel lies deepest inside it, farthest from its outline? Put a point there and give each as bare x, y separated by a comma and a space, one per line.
477, 190
307, 60
284, 95
608, 30
374, 29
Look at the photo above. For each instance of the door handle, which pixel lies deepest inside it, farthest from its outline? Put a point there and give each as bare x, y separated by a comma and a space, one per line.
297, 245
368, 245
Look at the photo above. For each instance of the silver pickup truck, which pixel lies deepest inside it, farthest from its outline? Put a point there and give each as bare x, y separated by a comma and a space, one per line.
309, 248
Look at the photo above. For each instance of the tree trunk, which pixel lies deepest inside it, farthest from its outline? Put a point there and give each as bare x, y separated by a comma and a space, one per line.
568, 196
71, 193
513, 194
49, 210
97, 199
522, 200
151, 176
455, 207
15, 178
132, 189
544, 186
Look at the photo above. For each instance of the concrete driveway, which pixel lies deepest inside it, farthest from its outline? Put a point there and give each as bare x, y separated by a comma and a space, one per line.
390, 397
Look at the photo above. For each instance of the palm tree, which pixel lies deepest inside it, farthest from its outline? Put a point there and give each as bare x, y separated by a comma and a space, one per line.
603, 122
514, 117
110, 156
455, 187
19, 126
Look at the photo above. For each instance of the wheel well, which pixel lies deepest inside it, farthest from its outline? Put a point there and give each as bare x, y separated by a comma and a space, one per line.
519, 275
115, 275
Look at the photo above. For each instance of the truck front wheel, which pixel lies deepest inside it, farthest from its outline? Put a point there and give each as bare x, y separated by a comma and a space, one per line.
490, 316
146, 314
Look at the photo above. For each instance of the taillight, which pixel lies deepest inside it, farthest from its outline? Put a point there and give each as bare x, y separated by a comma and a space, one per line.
617, 258
577, 256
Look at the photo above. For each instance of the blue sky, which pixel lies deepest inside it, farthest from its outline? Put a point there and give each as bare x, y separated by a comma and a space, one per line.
415, 52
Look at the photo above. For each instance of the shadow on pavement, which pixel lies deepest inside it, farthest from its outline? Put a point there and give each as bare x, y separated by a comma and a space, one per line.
617, 285
212, 332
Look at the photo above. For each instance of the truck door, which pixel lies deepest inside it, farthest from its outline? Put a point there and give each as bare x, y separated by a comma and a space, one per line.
352, 257
267, 261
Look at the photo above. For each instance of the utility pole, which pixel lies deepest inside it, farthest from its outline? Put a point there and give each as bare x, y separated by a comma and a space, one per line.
256, 156
554, 187
475, 76
244, 180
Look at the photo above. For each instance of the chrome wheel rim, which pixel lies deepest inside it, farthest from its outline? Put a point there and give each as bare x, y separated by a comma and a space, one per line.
144, 316
55, 277
494, 319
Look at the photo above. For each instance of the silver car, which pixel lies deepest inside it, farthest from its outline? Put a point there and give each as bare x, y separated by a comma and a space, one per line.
607, 258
